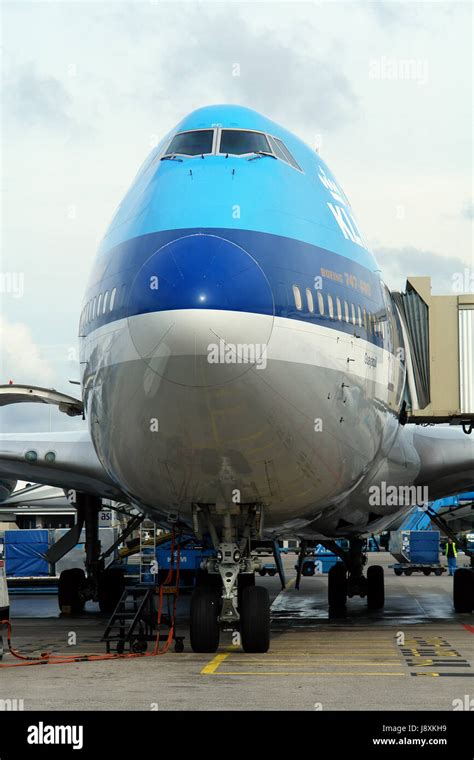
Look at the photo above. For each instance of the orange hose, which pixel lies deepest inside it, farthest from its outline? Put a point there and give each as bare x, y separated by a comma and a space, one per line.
46, 658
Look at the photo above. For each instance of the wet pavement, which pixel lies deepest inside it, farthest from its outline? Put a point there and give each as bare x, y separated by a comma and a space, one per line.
416, 654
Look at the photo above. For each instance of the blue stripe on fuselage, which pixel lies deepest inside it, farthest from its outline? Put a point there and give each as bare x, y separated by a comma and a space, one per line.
285, 262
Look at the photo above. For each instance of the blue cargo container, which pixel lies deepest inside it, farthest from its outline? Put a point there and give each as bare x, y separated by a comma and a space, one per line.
24, 550
415, 546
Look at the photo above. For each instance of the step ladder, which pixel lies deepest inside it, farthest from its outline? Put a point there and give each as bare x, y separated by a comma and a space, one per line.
132, 622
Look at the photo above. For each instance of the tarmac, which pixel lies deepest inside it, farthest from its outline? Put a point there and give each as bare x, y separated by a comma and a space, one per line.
416, 654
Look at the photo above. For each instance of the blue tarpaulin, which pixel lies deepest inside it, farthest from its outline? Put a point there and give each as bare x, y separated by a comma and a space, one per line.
23, 550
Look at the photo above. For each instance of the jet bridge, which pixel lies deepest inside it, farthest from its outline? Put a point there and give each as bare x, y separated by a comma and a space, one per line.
439, 334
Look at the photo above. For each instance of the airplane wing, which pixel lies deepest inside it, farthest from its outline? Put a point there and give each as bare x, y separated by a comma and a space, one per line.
446, 460
66, 460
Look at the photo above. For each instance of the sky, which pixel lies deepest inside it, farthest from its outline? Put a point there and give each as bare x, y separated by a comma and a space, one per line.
384, 89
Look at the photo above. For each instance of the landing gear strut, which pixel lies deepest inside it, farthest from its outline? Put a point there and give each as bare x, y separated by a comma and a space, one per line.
228, 596
346, 578
75, 586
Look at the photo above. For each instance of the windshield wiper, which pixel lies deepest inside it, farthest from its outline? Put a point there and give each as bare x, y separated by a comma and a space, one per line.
171, 157
260, 154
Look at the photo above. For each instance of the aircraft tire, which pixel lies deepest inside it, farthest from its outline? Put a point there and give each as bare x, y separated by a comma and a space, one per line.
70, 600
375, 588
204, 630
255, 619
463, 590
244, 580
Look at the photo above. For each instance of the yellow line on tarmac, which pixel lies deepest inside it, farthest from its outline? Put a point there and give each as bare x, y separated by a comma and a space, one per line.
290, 583
317, 652
279, 657
212, 666
346, 662
300, 673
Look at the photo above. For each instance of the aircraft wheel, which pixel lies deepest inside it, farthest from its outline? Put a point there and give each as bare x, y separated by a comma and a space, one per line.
244, 580
375, 588
70, 583
204, 624
255, 619
463, 590
337, 587
111, 584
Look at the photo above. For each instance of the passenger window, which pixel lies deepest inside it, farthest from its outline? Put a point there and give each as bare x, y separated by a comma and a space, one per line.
192, 143
353, 313
339, 309
330, 306
238, 141
93, 307
99, 303
346, 311
320, 303
359, 316
106, 298
309, 298
365, 318
112, 299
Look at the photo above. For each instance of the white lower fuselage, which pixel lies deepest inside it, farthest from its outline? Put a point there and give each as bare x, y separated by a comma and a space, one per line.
297, 431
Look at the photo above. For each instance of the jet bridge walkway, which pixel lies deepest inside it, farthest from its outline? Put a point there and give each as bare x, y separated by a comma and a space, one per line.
439, 333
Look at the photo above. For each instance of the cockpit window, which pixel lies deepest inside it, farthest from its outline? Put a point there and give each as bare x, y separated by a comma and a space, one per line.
238, 141
282, 152
192, 143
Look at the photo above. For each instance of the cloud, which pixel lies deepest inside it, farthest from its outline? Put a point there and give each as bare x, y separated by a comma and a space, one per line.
288, 80
467, 211
36, 100
21, 360
399, 263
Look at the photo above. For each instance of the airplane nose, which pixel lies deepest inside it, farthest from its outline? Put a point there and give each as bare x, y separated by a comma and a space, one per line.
200, 311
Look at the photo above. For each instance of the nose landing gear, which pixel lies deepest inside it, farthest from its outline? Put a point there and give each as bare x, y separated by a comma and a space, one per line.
228, 598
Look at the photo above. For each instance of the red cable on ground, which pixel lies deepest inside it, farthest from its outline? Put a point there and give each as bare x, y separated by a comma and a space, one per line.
46, 658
